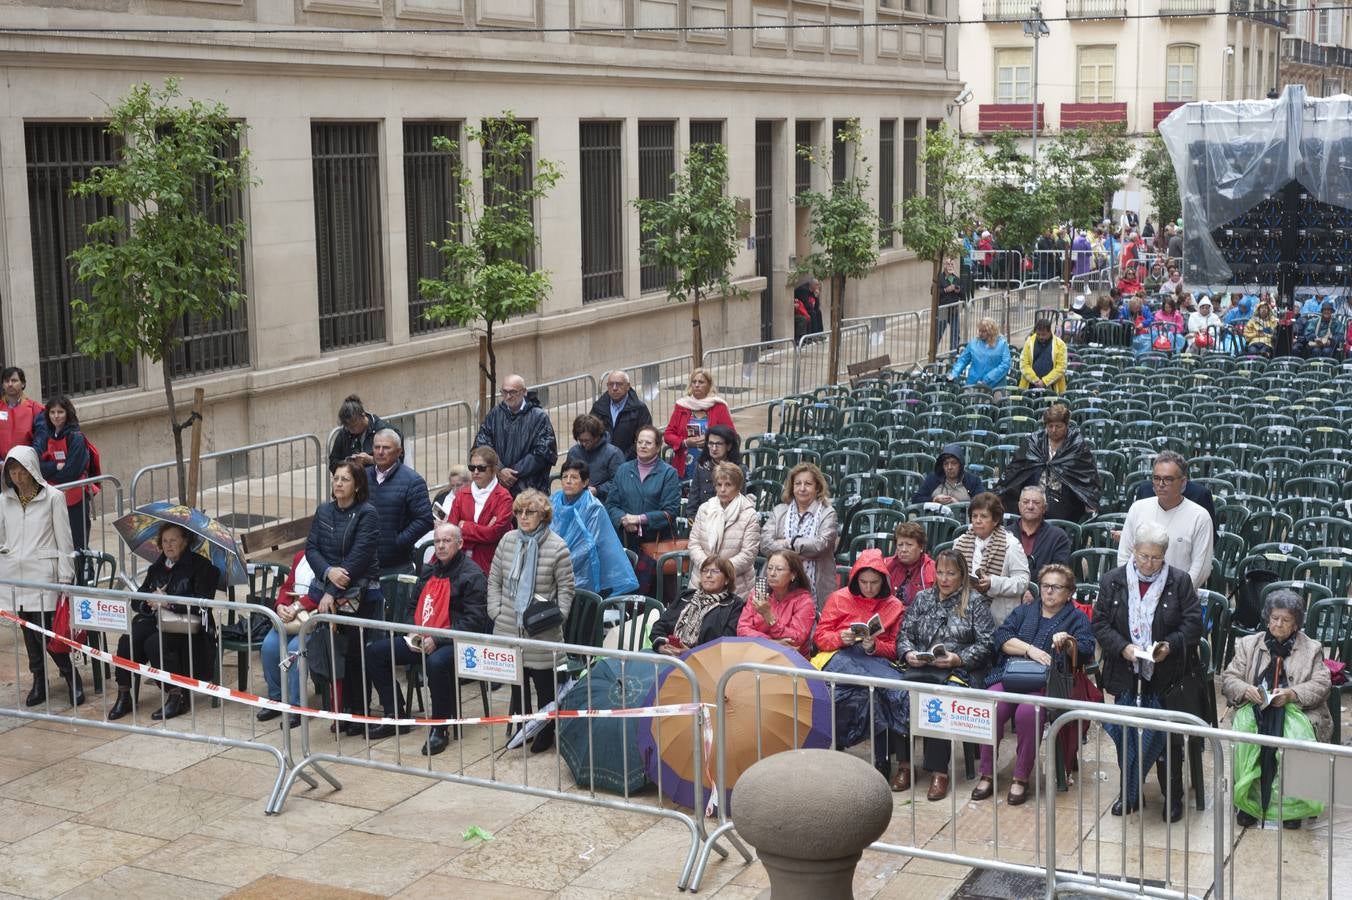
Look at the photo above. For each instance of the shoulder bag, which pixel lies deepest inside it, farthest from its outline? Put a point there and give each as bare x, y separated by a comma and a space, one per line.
1024, 676
543, 614
172, 622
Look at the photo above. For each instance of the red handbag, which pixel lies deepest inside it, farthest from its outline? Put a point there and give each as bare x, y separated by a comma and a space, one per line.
61, 626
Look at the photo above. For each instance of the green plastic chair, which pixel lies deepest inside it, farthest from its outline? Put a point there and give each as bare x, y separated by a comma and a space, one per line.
635, 612
1329, 621
264, 581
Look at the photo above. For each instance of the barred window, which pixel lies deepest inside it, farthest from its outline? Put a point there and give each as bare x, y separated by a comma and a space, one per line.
802, 168
656, 166
58, 155
910, 158
887, 179
520, 182
347, 233
706, 131
431, 211
840, 150
602, 210
213, 345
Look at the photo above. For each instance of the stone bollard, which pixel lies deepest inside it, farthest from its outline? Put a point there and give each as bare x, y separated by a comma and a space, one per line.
810, 814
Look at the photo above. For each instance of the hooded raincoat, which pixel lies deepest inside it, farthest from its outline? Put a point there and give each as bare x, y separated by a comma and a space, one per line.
35, 541
935, 479
599, 562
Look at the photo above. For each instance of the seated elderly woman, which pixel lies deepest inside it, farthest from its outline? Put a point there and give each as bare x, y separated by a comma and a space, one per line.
995, 558
1060, 459
599, 563
1146, 618
785, 611
1280, 684
728, 526
805, 522
1037, 632
954, 614
702, 614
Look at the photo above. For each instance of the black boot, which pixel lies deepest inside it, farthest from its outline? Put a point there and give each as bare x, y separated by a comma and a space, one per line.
1171, 785
37, 695
175, 705
74, 686
121, 706
544, 738
1126, 808
437, 741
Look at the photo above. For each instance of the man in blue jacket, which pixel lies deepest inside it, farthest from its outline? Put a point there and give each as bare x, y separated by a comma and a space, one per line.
399, 494
522, 436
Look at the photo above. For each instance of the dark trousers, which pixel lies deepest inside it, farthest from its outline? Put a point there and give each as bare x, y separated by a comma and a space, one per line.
34, 644
79, 524
543, 682
193, 655
934, 754
948, 320
380, 666
133, 646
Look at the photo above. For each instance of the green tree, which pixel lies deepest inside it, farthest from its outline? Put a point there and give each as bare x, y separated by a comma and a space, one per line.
843, 227
1017, 195
694, 231
933, 220
487, 275
1156, 170
160, 258
1086, 166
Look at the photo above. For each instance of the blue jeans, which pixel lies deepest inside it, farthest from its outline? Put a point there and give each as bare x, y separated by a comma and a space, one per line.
272, 673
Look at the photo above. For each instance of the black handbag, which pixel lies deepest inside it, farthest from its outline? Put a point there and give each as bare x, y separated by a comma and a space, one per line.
1024, 676
326, 667
541, 615
1188, 693
926, 674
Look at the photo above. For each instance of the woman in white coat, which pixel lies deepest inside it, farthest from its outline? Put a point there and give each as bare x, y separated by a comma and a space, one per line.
727, 526
35, 545
805, 523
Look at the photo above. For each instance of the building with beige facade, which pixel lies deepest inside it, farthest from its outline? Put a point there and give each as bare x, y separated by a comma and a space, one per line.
1122, 61
342, 99
1316, 51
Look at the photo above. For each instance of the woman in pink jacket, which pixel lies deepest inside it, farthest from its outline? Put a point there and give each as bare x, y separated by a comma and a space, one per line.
787, 611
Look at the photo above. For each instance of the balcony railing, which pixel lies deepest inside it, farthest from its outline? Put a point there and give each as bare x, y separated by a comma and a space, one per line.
992, 117
1006, 10
1186, 7
1269, 12
1081, 115
1096, 9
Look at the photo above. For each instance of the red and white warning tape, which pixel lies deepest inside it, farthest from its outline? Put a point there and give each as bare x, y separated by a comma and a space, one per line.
225, 693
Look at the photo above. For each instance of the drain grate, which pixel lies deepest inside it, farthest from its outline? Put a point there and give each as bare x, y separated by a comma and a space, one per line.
986, 884
244, 521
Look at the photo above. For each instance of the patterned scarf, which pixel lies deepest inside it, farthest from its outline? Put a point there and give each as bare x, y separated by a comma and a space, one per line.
993, 549
690, 620
1141, 613
799, 526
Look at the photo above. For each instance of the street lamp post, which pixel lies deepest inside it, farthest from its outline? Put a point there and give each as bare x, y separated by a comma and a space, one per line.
1036, 27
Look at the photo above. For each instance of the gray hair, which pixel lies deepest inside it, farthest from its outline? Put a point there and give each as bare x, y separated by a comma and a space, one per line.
1169, 456
1151, 533
1034, 489
1287, 599
391, 435
454, 529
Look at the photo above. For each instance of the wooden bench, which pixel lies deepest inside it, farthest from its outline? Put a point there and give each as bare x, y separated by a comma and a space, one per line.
262, 541
868, 367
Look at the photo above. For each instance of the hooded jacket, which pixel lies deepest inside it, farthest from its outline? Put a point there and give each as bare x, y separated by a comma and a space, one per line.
35, 541
622, 432
936, 478
523, 440
847, 606
603, 461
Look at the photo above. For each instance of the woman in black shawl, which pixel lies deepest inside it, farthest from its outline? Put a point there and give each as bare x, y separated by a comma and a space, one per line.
1061, 461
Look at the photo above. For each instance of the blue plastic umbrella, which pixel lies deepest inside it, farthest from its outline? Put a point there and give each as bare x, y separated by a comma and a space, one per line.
141, 526
603, 754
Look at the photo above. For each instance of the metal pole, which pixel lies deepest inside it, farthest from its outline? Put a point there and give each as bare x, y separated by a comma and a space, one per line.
1037, 18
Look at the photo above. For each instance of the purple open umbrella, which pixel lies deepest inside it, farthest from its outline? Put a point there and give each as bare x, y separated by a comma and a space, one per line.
793, 713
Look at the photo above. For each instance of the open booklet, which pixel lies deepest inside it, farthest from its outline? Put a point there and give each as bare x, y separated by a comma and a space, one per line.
928, 656
872, 628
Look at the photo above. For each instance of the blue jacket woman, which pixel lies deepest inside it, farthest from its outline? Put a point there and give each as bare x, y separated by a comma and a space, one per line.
599, 563
985, 359
645, 495
64, 455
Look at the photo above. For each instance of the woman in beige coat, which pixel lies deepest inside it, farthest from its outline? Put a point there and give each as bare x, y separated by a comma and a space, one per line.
728, 526
805, 523
531, 560
35, 545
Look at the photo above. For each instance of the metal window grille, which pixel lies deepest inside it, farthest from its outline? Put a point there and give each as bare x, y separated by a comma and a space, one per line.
765, 209
840, 151
213, 345
347, 233
602, 210
887, 178
59, 154
910, 158
802, 168
656, 166
431, 211
521, 182
705, 132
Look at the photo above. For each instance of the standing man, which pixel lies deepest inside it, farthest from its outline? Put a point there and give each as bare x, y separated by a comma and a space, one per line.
621, 411
522, 435
1187, 523
399, 495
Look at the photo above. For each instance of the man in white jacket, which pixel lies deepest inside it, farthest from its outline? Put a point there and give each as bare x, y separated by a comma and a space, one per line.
1187, 523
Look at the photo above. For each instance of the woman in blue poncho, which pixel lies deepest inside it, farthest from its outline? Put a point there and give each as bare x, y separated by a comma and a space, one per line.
599, 562
985, 360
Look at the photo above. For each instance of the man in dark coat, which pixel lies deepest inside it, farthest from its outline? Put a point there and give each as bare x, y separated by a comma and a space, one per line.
1042, 543
621, 412
355, 438
452, 594
399, 494
522, 436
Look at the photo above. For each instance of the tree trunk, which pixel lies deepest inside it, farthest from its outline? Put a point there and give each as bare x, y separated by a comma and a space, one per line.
485, 385
934, 309
199, 397
837, 318
166, 363
696, 334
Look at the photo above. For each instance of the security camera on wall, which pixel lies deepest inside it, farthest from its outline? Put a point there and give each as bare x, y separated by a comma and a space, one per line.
962, 98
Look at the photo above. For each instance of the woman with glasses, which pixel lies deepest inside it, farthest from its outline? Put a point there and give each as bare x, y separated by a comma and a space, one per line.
482, 509
785, 612
805, 522
1146, 618
722, 445
1038, 632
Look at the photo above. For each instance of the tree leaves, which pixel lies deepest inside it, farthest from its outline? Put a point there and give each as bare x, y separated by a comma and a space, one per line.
1156, 170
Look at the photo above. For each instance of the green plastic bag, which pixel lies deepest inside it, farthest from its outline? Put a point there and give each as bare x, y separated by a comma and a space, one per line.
1248, 772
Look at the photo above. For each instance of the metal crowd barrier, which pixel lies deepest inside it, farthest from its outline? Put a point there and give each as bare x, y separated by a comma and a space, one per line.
658, 383
900, 336
565, 399
435, 437
1044, 862
102, 509
1005, 269
208, 720
502, 768
749, 375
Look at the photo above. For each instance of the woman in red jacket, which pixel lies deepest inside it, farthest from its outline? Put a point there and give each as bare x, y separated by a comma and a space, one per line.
859, 645
20, 418
690, 420
482, 508
64, 455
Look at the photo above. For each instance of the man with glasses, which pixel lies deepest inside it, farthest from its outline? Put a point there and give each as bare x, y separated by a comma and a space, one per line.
522, 436
1042, 543
1187, 523
621, 411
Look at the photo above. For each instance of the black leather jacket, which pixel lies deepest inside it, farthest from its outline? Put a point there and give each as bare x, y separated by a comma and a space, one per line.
1178, 620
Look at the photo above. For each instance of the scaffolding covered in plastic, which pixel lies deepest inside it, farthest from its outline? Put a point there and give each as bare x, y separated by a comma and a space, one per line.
1230, 156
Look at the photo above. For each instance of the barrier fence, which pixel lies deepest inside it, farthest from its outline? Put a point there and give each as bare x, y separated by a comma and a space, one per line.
435, 437
749, 375
104, 504
565, 399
